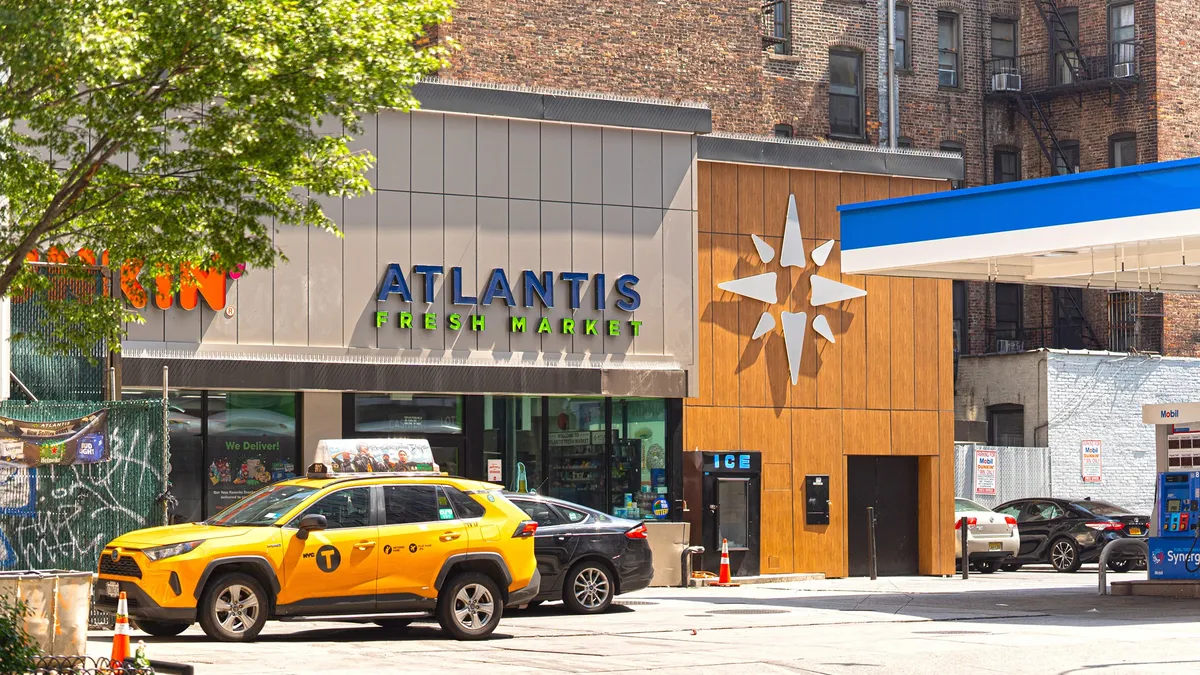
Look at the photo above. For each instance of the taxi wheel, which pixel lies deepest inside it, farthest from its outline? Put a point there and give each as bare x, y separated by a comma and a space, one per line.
1120, 566
233, 608
160, 628
469, 606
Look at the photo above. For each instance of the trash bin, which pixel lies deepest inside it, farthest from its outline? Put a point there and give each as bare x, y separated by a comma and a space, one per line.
57, 603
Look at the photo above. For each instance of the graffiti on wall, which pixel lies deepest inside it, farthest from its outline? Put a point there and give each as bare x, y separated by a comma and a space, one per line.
60, 517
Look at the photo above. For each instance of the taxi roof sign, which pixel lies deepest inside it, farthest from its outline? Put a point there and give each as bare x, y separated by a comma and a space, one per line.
373, 455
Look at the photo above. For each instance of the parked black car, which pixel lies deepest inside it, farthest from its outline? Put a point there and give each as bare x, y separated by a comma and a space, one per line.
1069, 532
585, 557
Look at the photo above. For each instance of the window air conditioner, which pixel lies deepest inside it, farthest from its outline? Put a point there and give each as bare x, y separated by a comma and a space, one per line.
1123, 69
1006, 82
1009, 346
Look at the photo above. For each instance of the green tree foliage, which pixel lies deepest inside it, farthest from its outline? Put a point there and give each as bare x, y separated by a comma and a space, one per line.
178, 133
17, 652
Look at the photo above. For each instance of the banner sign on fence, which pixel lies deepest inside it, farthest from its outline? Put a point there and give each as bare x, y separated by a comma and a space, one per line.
1091, 465
31, 444
985, 472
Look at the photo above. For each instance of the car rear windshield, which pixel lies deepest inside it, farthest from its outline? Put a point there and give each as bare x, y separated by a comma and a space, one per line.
968, 505
264, 507
1100, 508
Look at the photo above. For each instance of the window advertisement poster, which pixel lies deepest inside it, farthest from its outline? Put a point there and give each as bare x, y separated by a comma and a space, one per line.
251, 443
33, 444
495, 470
1091, 465
985, 472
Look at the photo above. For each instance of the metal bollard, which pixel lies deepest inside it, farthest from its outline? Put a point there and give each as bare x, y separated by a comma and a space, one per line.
872, 559
685, 564
966, 552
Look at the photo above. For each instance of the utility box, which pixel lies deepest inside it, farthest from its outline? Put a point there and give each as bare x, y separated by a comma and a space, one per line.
56, 604
667, 542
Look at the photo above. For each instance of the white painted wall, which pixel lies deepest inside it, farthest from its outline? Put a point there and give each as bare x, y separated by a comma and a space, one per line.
1099, 396
1070, 397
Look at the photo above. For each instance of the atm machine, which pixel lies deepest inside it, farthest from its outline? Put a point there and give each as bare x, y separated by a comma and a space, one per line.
722, 490
1175, 544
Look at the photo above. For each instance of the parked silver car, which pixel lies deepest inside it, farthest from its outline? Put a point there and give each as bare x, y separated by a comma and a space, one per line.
992, 537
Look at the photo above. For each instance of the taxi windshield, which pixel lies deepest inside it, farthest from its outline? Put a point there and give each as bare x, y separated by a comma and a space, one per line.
264, 507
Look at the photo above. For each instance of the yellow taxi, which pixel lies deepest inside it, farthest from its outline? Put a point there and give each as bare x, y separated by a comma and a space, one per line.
382, 546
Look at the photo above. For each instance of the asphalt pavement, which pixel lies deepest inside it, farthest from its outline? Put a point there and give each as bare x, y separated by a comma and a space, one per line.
1031, 621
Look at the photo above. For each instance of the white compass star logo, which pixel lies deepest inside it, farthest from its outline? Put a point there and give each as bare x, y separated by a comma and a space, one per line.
761, 287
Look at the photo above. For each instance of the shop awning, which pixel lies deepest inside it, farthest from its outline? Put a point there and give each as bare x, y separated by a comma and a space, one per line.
1129, 228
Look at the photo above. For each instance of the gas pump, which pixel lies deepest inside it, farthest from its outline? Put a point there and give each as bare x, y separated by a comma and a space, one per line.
1174, 553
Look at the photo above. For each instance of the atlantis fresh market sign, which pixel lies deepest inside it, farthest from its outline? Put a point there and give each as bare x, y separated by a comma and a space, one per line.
536, 291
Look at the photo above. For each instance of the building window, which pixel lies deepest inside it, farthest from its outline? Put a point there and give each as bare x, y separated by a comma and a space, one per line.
1004, 46
1067, 160
513, 428
903, 60
777, 26
1066, 56
436, 418
956, 148
845, 94
1068, 318
1006, 425
1007, 165
1122, 150
948, 49
960, 317
904, 142
1009, 317
225, 445
1122, 321
784, 131
1121, 39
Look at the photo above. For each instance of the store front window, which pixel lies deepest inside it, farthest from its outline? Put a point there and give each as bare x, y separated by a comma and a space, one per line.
639, 458
251, 443
576, 451
225, 445
512, 441
436, 418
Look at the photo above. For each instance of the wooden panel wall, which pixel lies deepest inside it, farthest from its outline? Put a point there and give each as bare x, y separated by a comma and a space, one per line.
886, 387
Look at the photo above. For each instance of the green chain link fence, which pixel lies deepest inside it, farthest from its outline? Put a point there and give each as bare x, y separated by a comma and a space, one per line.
77, 376
60, 517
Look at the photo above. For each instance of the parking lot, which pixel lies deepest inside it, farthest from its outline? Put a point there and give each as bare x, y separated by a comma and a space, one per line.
1031, 621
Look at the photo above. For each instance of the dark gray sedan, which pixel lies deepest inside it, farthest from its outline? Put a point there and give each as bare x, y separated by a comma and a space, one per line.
585, 557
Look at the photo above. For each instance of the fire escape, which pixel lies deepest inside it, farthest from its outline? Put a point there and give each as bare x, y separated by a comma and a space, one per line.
1032, 82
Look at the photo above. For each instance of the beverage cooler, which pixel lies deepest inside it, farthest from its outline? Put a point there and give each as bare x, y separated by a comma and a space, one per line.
722, 501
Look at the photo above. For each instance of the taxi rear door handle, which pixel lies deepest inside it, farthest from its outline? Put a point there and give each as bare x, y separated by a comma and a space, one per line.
364, 545
450, 536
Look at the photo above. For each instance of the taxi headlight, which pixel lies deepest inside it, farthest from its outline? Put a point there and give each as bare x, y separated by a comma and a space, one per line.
161, 552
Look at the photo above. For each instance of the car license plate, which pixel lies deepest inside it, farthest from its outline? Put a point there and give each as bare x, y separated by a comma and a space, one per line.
993, 546
1135, 531
112, 589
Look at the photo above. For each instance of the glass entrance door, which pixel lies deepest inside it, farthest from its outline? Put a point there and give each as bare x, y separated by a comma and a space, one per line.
733, 512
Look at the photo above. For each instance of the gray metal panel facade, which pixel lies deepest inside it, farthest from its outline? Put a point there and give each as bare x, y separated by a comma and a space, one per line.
479, 194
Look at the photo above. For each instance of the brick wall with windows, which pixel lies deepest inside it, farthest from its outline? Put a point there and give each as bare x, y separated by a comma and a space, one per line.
713, 51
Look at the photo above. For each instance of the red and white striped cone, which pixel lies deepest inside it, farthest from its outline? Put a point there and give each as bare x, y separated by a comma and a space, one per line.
724, 577
120, 648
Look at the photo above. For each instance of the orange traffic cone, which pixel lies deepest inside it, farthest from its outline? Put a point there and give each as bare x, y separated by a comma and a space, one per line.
724, 579
120, 648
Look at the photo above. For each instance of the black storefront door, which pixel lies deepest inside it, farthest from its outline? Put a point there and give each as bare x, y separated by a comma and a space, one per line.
889, 484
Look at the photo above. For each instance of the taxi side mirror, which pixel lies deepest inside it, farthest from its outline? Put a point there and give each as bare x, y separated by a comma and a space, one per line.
313, 522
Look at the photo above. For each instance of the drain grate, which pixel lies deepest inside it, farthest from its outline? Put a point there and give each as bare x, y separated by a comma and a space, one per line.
635, 603
747, 611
